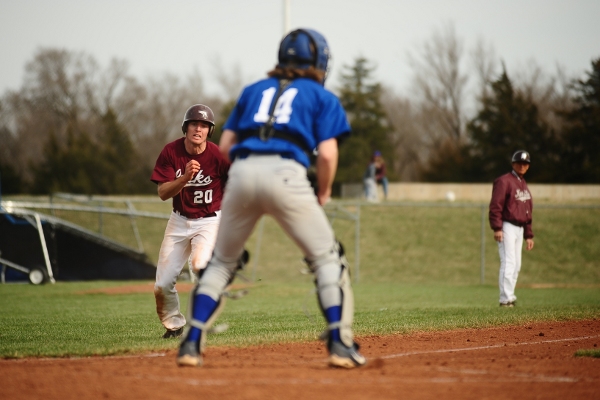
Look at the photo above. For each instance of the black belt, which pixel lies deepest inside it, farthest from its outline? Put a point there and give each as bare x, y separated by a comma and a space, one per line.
195, 216
520, 225
289, 137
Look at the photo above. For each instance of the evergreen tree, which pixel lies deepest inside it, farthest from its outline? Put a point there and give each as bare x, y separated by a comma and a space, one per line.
10, 180
69, 168
509, 121
581, 139
107, 165
370, 127
122, 168
450, 162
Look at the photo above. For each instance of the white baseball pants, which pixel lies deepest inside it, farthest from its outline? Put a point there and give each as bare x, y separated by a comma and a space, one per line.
185, 239
270, 184
371, 189
510, 260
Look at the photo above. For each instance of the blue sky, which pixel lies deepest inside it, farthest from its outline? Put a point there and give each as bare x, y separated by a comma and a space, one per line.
178, 36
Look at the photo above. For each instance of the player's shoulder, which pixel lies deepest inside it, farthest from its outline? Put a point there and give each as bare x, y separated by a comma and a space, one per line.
260, 84
174, 147
213, 150
326, 98
302, 83
212, 147
312, 85
504, 179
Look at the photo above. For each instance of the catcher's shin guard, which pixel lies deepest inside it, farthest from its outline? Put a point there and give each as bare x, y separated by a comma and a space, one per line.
334, 290
208, 297
203, 327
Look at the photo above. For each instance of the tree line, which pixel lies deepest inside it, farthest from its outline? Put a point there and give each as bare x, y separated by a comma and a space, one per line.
76, 127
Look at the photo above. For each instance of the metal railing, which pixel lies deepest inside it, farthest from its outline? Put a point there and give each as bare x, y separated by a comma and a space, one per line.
340, 209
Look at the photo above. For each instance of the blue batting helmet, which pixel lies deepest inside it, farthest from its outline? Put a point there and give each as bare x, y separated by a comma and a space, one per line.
303, 48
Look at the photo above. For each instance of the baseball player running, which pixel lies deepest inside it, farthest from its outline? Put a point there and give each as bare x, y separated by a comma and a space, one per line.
192, 172
275, 125
510, 216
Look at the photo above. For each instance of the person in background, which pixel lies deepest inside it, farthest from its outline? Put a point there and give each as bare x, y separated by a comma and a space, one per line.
369, 182
380, 172
511, 215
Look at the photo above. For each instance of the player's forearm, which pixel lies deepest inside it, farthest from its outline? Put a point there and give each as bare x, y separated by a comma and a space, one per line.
227, 141
167, 190
327, 160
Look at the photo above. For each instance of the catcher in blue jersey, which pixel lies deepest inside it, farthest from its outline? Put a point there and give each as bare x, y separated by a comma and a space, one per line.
274, 128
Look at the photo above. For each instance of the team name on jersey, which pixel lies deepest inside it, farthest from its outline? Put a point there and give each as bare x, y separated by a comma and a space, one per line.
523, 195
199, 180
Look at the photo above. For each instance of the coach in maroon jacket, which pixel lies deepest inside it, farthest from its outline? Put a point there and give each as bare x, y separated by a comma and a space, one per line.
511, 210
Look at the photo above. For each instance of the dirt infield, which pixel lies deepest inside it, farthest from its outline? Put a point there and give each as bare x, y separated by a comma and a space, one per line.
535, 361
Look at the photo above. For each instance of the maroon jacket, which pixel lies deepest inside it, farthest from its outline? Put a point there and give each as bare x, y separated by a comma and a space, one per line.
511, 202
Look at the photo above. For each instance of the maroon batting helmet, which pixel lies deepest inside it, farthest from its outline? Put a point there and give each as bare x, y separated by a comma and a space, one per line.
199, 112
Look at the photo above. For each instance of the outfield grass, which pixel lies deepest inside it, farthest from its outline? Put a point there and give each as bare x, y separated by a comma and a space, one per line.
399, 242
68, 319
422, 245
419, 270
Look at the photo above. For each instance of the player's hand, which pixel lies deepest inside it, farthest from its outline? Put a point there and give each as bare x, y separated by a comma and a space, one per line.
191, 169
529, 243
498, 236
323, 200
324, 197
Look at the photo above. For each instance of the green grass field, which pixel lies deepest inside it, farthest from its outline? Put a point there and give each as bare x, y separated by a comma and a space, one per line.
419, 270
66, 319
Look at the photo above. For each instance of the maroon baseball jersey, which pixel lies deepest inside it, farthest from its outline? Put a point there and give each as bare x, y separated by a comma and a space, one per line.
202, 195
511, 202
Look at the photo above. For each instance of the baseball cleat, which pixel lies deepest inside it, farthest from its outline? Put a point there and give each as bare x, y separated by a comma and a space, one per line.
345, 357
509, 304
173, 333
189, 356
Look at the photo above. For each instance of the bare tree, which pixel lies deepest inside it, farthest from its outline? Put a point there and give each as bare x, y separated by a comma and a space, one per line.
486, 67
406, 137
153, 112
111, 84
63, 91
440, 82
549, 92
